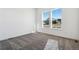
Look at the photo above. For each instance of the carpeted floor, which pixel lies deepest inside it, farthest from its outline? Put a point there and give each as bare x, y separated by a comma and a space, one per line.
37, 41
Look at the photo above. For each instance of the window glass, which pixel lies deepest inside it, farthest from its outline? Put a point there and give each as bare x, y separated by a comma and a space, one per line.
45, 18
56, 17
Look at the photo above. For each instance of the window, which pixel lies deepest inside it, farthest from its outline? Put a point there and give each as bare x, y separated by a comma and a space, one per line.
45, 19
52, 18
56, 17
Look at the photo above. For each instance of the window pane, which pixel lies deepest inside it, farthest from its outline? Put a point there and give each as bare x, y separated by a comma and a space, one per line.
46, 19
56, 18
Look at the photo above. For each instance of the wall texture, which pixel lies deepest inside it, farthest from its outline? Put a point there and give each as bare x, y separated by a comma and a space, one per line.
69, 27
16, 21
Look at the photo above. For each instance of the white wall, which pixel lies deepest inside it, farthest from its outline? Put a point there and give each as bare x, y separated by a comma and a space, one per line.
16, 21
69, 25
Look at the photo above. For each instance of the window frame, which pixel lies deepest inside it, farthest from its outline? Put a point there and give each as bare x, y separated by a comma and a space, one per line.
50, 19
43, 18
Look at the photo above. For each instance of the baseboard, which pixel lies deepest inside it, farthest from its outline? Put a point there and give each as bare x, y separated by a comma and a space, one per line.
15, 36
58, 36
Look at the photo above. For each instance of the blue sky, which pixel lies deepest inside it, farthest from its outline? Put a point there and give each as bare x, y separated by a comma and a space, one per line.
56, 13
45, 15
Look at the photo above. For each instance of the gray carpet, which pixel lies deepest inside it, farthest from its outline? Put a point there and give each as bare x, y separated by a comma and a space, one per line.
37, 41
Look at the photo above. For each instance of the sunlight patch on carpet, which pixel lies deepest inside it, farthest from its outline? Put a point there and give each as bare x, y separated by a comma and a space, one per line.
51, 45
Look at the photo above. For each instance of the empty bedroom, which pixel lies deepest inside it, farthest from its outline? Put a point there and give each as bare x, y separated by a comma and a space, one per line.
39, 29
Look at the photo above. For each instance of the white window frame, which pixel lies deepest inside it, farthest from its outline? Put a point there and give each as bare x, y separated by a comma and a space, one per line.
42, 18
50, 19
